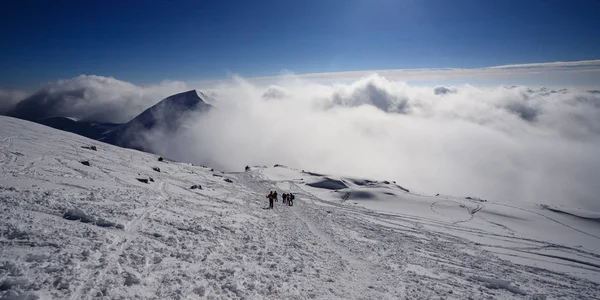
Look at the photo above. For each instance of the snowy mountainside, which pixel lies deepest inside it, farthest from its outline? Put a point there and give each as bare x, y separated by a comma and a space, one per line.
561, 239
95, 231
167, 116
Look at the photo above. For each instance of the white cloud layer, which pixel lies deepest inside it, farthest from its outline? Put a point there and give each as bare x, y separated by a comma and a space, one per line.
94, 98
505, 143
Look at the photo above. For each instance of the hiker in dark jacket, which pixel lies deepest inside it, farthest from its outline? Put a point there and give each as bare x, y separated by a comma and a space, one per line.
284, 198
290, 199
271, 197
275, 195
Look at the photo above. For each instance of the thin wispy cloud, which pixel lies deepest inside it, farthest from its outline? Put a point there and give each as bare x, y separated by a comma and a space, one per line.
553, 65
577, 73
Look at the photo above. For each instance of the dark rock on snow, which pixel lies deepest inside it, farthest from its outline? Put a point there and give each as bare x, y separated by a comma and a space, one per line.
476, 199
85, 163
406, 190
157, 169
329, 184
144, 180
75, 214
11, 283
131, 279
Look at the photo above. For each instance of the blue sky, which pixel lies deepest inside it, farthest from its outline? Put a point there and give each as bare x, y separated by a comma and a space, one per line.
150, 41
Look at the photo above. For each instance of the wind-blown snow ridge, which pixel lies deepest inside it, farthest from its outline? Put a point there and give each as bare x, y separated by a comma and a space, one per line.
217, 242
574, 212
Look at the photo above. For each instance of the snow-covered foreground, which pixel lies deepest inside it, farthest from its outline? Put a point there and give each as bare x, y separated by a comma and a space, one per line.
73, 231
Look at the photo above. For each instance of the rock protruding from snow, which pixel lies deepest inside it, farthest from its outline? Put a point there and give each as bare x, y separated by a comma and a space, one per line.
90, 148
75, 214
132, 278
328, 184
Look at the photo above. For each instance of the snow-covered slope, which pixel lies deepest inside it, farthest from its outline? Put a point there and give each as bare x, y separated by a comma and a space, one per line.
559, 239
76, 231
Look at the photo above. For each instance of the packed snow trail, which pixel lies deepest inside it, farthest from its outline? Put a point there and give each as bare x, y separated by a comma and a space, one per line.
164, 240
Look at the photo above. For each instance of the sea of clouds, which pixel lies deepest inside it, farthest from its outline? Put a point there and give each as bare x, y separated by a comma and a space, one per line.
504, 143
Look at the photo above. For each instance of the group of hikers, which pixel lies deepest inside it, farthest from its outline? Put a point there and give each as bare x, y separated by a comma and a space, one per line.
286, 198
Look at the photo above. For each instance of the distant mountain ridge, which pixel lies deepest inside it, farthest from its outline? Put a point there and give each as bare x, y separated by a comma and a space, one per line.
88, 129
167, 116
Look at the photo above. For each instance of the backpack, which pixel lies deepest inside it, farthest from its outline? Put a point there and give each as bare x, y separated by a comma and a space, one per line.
291, 196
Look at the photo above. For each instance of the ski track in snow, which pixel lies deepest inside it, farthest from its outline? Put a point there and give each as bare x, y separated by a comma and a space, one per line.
219, 242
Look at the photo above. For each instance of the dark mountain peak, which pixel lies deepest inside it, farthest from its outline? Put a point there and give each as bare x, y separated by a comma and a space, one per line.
188, 99
190, 93
167, 116
170, 110
174, 106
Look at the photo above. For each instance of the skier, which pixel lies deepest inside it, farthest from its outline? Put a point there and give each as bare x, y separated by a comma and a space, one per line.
290, 200
271, 197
